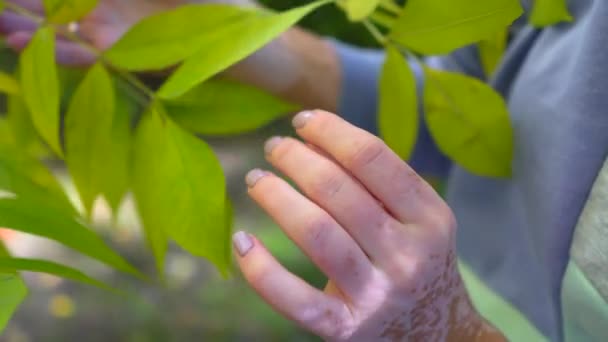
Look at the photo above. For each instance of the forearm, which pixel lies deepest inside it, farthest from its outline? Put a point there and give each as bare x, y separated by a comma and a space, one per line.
298, 66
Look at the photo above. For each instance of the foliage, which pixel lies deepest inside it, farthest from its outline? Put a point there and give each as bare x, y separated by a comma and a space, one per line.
116, 134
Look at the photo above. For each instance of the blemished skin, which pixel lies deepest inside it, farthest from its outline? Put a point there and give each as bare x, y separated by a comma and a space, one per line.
382, 235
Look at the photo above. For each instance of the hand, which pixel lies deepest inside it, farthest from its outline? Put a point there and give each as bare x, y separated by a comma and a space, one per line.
299, 66
101, 28
379, 232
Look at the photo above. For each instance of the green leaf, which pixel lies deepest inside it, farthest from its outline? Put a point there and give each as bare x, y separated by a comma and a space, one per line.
8, 84
439, 27
38, 218
27, 178
470, 123
8, 264
22, 130
549, 12
357, 10
40, 86
1, 9
12, 292
65, 11
88, 124
180, 190
224, 107
231, 44
398, 114
491, 51
165, 39
117, 152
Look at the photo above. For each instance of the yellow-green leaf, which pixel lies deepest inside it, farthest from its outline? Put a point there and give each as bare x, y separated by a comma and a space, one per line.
27, 178
357, 10
179, 189
1, 9
115, 184
549, 12
491, 51
88, 124
8, 84
22, 130
39, 218
231, 44
469, 122
398, 114
439, 27
8, 264
12, 292
65, 11
40, 86
223, 107
167, 38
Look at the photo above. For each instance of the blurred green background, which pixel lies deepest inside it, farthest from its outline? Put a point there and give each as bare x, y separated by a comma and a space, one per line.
195, 304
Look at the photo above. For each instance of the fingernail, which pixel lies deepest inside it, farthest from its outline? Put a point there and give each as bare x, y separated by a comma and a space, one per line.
300, 120
242, 243
271, 144
254, 176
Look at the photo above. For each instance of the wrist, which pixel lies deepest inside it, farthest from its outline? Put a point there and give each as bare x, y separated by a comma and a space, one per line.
470, 326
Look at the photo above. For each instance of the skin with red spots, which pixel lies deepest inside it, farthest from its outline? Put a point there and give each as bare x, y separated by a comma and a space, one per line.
381, 234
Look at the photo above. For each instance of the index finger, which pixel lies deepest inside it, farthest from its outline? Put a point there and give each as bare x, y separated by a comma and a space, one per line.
402, 191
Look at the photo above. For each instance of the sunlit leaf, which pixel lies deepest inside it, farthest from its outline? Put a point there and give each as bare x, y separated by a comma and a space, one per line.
357, 10
38, 218
22, 130
469, 122
12, 292
40, 86
167, 38
223, 107
180, 190
230, 44
88, 124
8, 84
27, 178
398, 114
491, 51
117, 152
438, 26
65, 11
549, 12
8, 264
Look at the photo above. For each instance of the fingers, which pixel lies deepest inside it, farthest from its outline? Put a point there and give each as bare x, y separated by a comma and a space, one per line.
11, 22
318, 235
30, 5
312, 309
405, 194
328, 185
68, 53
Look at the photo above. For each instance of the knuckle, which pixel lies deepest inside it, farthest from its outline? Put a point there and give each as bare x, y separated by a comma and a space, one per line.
366, 154
317, 230
285, 148
443, 219
327, 185
325, 320
259, 274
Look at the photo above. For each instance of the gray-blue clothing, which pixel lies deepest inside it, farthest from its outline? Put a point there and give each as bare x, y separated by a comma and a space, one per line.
516, 233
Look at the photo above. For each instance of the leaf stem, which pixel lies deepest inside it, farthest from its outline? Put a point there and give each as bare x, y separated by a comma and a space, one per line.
384, 19
125, 75
375, 32
23, 11
390, 6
